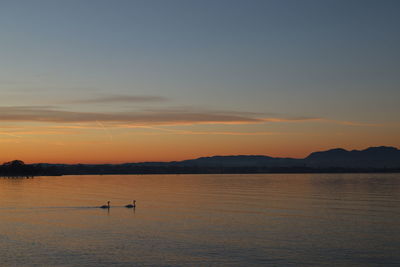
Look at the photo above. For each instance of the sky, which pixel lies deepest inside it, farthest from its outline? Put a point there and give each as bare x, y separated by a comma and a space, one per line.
95, 81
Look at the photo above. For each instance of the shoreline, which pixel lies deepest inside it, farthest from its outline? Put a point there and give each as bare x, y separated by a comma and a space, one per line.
198, 173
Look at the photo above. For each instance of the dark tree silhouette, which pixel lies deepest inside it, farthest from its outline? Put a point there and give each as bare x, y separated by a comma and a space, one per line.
17, 168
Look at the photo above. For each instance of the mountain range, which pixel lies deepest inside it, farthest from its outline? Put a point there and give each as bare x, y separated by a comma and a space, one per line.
373, 159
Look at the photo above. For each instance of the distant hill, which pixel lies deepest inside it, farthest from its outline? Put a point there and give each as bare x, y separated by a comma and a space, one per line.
373, 159
370, 158
241, 160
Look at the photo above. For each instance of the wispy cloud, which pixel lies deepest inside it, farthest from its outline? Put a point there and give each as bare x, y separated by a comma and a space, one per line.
293, 119
10, 134
51, 114
353, 123
119, 99
130, 119
186, 132
322, 120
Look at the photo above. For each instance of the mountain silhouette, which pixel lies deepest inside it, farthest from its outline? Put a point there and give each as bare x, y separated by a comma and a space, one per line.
373, 159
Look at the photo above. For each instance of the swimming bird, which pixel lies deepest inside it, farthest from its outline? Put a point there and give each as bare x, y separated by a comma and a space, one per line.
105, 206
133, 205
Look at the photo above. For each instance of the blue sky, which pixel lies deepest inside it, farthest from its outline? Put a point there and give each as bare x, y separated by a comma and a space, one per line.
336, 60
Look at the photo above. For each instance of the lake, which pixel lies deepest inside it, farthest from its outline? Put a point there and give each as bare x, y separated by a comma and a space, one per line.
201, 220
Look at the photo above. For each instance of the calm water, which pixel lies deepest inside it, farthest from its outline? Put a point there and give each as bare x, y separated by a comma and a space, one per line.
201, 220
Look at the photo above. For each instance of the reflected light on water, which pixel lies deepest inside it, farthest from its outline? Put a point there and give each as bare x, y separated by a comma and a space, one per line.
192, 220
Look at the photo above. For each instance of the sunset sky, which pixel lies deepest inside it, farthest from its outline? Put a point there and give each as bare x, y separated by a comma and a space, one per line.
125, 81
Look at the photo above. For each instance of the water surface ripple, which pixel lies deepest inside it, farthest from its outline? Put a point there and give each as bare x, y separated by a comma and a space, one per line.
201, 220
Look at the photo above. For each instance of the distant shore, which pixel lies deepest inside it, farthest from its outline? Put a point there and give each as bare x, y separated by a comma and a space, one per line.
381, 159
92, 170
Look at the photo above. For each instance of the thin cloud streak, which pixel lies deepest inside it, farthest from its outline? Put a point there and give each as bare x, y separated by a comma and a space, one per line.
21, 133
322, 120
48, 114
351, 123
120, 99
10, 134
105, 131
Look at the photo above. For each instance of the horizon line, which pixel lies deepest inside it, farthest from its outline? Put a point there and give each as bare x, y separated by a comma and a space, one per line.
230, 155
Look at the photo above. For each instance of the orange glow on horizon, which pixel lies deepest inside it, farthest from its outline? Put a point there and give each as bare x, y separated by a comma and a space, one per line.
167, 148
96, 144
